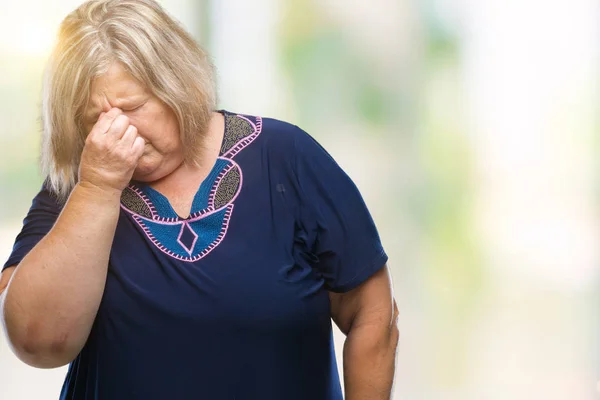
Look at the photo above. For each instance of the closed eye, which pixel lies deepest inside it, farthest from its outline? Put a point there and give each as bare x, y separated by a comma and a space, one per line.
134, 108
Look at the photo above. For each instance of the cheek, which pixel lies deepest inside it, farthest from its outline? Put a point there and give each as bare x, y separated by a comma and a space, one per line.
162, 133
150, 160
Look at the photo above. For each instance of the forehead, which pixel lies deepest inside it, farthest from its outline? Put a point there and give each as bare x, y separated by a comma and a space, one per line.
115, 86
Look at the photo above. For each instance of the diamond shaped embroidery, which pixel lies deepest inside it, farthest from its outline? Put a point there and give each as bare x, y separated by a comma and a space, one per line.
187, 238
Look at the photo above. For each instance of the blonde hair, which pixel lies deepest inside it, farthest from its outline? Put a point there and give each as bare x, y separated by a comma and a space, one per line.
153, 48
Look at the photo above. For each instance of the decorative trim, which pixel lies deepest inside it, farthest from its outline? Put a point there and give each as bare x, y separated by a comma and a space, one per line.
222, 234
239, 146
203, 253
143, 221
189, 250
146, 200
213, 191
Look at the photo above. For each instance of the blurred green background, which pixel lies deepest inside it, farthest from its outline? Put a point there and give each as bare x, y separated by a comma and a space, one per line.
471, 130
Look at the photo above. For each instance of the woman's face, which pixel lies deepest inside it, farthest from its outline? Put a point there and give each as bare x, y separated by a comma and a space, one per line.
156, 123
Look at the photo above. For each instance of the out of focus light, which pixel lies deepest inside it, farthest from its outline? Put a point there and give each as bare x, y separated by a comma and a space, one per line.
29, 27
33, 39
532, 114
25, 36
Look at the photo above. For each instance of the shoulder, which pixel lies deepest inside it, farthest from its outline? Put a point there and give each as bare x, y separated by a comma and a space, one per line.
282, 128
273, 131
284, 143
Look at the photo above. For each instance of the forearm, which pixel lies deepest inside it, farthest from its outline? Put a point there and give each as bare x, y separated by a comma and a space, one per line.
369, 362
53, 297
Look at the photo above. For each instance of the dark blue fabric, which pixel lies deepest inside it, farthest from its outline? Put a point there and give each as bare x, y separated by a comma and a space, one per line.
250, 319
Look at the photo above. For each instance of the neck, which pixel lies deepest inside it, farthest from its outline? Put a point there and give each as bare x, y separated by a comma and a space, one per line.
186, 174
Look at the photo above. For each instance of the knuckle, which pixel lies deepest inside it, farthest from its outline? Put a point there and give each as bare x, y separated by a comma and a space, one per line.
121, 153
123, 119
106, 146
94, 140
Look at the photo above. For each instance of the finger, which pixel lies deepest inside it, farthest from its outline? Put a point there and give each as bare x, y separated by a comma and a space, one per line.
138, 147
129, 137
118, 127
104, 123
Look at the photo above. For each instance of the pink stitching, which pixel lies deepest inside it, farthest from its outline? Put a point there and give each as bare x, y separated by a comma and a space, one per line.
145, 199
176, 221
204, 252
239, 146
165, 219
213, 190
204, 212
191, 250
240, 185
222, 234
211, 196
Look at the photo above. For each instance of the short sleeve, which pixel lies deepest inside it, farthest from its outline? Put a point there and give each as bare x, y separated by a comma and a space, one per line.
39, 220
347, 246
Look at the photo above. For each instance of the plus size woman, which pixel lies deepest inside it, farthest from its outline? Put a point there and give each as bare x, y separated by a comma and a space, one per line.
176, 251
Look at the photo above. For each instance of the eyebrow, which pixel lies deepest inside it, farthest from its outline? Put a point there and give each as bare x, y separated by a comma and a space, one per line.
93, 113
121, 103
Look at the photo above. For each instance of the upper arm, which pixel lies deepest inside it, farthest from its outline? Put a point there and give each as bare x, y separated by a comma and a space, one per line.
40, 218
340, 236
337, 226
372, 302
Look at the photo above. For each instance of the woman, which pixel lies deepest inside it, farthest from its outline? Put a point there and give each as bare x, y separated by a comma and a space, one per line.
176, 252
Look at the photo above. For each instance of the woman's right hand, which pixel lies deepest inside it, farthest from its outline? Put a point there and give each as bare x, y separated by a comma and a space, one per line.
111, 153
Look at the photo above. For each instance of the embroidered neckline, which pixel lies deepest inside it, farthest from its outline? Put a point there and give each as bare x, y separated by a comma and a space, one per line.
191, 238
153, 196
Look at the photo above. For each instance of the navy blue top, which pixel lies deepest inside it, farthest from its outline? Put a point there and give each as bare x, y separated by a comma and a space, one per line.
231, 302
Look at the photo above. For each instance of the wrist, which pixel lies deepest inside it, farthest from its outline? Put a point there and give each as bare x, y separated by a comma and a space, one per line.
95, 192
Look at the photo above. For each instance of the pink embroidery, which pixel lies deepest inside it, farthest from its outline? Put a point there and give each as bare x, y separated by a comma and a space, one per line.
224, 228
145, 199
247, 140
190, 248
209, 210
175, 221
213, 191
204, 252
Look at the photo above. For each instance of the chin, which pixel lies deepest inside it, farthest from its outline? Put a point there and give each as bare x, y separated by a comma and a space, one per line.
142, 176
144, 172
